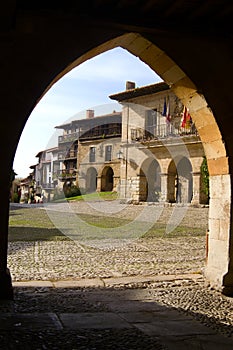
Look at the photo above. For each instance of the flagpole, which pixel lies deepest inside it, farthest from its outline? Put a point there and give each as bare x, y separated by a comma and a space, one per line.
158, 131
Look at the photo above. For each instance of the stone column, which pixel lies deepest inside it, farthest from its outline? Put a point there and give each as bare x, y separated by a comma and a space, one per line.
196, 188
164, 187
122, 183
219, 269
142, 188
6, 290
116, 183
98, 187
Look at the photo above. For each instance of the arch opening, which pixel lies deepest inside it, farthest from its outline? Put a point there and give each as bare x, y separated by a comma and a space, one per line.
107, 179
150, 181
180, 181
203, 117
91, 180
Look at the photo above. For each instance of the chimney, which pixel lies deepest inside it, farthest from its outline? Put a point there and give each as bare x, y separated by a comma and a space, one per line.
130, 85
90, 113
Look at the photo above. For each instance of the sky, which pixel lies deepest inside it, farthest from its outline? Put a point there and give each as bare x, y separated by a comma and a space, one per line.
84, 87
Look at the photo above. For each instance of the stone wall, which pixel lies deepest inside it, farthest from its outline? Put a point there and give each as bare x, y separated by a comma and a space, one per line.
100, 164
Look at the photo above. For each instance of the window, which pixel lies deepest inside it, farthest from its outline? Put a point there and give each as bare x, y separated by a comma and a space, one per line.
92, 154
151, 122
108, 153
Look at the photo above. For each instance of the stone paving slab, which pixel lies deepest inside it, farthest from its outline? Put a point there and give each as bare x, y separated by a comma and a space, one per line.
97, 320
106, 295
197, 342
38, 284
105, 282
29, 321
119, 310
133, 306
177, 327
151, 316
86, 282
143, 279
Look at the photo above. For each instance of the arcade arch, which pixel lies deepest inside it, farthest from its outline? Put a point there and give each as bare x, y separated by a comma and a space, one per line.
219, 270
150, 181
107, 179
180, 181
91, 180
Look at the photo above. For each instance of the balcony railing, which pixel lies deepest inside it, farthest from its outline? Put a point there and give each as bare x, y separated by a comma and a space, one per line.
69, 137
161, 132
106, 131
71, 154
66, 174
67, 155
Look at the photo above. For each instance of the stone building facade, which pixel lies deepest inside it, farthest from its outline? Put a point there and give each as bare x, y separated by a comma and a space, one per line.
149, 152
161, 153
40, 185
89, 148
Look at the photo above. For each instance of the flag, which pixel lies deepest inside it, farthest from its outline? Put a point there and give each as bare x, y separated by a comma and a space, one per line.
164, 108
186, 121
168, 116
183, 121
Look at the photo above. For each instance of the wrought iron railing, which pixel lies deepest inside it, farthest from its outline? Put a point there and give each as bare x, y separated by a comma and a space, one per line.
162, 131
65, 174
100, 131
69, 137
66, 155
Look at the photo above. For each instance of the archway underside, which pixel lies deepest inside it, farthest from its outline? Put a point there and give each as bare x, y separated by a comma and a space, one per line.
182, 86
208, 130
220, 194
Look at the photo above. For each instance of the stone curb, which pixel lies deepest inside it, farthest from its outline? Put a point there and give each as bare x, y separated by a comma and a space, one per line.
145, 279
104, 282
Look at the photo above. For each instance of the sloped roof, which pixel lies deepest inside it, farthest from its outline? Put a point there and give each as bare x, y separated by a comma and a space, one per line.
142, 91
114, 117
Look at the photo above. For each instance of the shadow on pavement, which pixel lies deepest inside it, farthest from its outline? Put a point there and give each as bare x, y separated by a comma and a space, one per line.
103, 318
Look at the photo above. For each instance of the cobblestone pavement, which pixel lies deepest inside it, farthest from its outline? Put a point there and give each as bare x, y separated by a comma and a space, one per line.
170, 314
51, 260
146, 294
65, 259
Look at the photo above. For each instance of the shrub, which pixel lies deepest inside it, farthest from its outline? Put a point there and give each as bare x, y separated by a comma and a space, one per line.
15, 198
72, 191
205, 177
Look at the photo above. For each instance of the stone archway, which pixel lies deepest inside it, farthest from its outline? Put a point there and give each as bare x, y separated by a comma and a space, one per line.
219, 275
107, 179
180, 181
91, 180
48, 63
150, 181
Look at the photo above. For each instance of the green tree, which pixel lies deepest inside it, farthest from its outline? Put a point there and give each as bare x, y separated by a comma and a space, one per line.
205, 177
12, 176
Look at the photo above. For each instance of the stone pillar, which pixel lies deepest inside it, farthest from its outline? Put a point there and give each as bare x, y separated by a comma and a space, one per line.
116, 183
123, 186
6, 290
98, 187
142, 188
219, 272
196, 188
164, 187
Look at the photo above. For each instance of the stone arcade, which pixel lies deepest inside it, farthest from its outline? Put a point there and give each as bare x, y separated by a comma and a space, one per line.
189, 44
